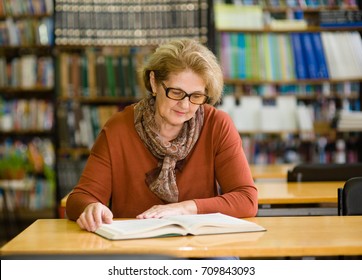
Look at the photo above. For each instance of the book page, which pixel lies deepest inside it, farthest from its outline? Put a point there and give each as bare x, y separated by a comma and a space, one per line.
139, 228
214, 223
176, 225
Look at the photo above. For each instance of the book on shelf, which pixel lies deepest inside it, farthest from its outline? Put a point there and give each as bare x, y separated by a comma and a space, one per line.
343, 52
322, 68
297, 47
287, 107
229, 16
340, 18
225, 54
129, 22
349, 121
241, 56
310, 60
270, 119
179, 225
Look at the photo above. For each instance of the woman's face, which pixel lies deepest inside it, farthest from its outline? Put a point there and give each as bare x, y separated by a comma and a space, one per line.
176, 112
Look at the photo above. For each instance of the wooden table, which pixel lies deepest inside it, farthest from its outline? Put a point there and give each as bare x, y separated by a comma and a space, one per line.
270, 171
300, 194
297, 197
62, 206
285, 236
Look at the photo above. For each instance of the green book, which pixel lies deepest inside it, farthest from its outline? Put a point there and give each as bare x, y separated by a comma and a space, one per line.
111, 83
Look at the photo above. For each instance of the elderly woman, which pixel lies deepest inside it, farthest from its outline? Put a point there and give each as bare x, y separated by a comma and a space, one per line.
172, 153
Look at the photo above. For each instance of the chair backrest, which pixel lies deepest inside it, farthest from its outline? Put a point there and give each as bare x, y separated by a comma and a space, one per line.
324, 172
350, 197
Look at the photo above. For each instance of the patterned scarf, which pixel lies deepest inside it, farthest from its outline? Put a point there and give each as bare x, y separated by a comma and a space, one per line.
162, 180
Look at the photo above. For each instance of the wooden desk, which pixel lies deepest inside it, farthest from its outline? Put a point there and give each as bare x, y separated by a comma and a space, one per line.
301, 194
270, 171
290, 193
285, 236
62, 206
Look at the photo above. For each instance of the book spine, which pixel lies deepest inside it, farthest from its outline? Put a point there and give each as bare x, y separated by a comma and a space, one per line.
241, 68
309, 56
322, 71
300, 68
131, 23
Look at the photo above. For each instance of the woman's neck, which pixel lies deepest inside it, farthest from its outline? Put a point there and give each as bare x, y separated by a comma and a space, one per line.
167, 131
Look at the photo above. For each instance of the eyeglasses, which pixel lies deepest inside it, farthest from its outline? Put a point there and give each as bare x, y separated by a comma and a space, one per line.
178, 94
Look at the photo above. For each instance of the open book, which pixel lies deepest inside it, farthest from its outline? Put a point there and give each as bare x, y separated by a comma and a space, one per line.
200, 224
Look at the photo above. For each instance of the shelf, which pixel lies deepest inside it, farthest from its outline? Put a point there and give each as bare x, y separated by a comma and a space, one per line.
100, 100
305, 97
21, 133
286, 30
308, 9
74, 152
27, 97
288, 82
24, 214
26, 16
11, 90
27, 47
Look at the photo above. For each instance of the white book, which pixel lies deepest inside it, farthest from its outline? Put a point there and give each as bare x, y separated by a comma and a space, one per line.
356, 46
247, 114
179, 225
228, 104
305, 120
270, 119
28, 71
332, 52
287, 107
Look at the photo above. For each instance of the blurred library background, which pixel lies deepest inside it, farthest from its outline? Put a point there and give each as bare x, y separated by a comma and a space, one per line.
292, 69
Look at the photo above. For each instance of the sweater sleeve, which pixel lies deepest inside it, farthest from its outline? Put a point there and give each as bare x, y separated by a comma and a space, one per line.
95, 182
238, 196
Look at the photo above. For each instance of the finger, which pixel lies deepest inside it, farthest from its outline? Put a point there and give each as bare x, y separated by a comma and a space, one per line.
97, 216
83, 221
80, 223
90, 223
107, 215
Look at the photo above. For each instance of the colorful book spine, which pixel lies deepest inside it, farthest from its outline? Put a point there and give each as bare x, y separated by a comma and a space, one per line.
309, 56
129, 23
300, 68
241, 56
225, 54
234, 55
322, 69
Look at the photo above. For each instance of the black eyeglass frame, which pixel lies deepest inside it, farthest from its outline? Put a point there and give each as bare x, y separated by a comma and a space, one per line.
189, 95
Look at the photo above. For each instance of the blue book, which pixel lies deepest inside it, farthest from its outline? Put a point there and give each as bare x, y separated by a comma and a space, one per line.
322, 68
234, 52
300, 68
241, 56
309, 56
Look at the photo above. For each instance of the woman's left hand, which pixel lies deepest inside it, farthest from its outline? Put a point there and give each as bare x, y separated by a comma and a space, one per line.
159, 211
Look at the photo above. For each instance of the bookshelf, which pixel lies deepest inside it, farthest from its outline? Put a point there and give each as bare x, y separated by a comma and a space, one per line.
27, 108
100, 46
291, 69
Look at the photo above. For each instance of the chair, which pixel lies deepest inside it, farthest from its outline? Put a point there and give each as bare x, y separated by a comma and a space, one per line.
350, 197
324, 172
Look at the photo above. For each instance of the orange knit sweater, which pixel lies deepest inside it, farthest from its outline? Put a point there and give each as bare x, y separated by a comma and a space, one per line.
119, 160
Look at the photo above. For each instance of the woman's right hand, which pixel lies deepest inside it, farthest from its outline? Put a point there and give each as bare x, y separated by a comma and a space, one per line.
94, 215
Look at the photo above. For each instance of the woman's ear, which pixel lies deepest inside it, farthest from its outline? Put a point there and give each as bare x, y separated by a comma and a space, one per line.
153, 81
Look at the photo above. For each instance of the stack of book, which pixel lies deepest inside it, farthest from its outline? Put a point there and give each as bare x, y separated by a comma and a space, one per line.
102, 73
341, 18
131, 23
286, 57
350, 121
79, 124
